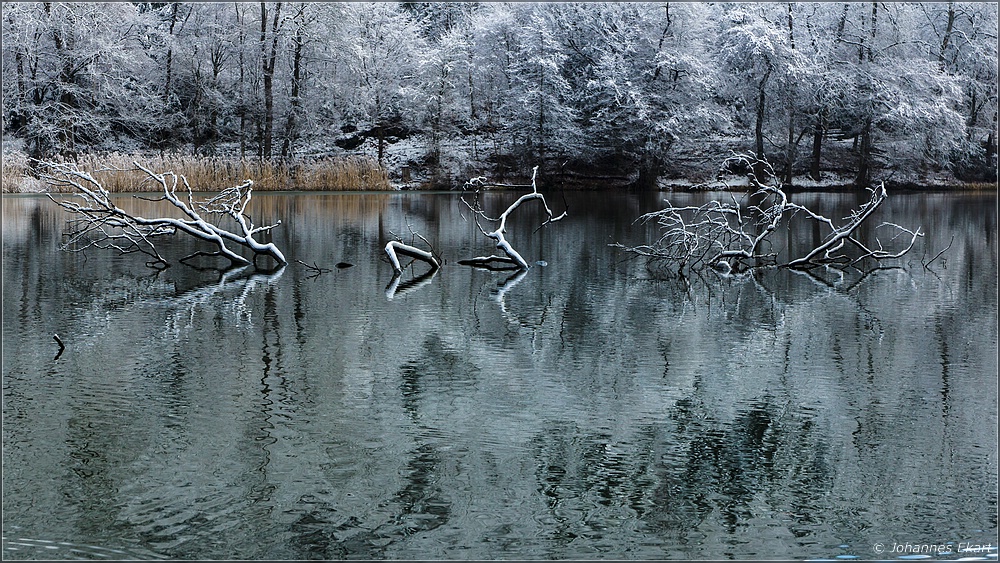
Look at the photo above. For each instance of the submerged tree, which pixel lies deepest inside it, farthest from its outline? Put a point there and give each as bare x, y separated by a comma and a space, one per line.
736, 235
511, 259
98, 221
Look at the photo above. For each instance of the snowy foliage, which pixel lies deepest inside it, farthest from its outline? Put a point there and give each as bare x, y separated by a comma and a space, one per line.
503, 86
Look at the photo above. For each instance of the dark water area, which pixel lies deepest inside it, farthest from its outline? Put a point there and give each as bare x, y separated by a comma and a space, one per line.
581, 409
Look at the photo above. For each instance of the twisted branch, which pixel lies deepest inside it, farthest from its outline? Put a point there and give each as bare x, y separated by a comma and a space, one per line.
511, 257
734, 235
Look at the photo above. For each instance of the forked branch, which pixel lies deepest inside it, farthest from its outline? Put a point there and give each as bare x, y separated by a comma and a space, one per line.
498, 234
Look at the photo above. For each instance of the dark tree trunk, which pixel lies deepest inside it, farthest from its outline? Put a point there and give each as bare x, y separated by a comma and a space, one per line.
816, 149
64, 84
790, 149
864, 156
759, 126
242, 108
790, 145
947, 34
170, 52
380, 132
270, 57
286, 148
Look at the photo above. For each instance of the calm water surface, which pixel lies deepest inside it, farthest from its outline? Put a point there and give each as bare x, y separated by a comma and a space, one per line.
582, 409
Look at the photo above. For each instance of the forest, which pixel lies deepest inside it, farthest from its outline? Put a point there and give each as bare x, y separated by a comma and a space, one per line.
629, 94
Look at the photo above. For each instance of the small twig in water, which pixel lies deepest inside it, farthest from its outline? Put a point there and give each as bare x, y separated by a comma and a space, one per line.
62, 346
314, 268
938, 255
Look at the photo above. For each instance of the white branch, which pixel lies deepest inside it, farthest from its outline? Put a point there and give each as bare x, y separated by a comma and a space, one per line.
498, 234
101, 223
721, 235
394, 246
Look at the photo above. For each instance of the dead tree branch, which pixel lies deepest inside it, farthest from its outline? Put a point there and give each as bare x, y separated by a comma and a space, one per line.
511, 256
394, 247
397, 247
315, 269
98, 222
735, 236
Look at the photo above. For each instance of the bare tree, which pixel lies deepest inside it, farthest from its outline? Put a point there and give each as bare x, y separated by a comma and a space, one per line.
511, 260
98, 221
734, 236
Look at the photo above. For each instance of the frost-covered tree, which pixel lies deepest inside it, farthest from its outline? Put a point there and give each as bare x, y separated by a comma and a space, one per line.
493, 52
898, 97
519, 96
546, 121
756, 51
305, 36
446, 89
963, 35
203, 84
607, 85
640, 78
76, 76
380, 44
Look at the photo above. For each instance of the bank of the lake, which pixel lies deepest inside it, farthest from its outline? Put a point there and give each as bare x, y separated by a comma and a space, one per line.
405, 166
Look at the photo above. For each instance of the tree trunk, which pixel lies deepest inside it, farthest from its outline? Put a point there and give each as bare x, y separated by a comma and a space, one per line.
874, 32
759, 126
380, 132
947, 34
842, 22
816, 148
991, 142
790, 148
863, 178
170, 52
64, 85
791, 143
270, 56
242, 104
296, 80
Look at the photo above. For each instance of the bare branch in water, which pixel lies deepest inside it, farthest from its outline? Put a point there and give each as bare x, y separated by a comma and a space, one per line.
98, 222
499, 233
734, 236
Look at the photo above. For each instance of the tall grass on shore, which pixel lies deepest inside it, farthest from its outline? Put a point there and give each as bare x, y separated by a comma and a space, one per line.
347, 174
16, 174
117, 173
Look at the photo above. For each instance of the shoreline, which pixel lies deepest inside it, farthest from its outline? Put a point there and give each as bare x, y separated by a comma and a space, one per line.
402, 171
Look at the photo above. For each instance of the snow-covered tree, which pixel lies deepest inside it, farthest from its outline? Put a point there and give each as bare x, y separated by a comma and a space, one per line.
756, 51
964, 37
640, 78
546, 120
76, 76
898, 96
602, 84
380, 44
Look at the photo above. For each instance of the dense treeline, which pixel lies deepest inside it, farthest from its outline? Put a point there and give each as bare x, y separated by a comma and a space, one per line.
641, 90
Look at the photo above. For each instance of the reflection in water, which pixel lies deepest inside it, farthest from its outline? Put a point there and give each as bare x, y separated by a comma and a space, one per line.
397, 287
582, 409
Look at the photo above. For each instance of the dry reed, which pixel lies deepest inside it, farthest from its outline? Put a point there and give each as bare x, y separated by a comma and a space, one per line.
117, 173
16, 178
352, 173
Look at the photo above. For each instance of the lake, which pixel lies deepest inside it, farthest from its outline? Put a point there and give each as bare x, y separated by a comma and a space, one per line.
585, 408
